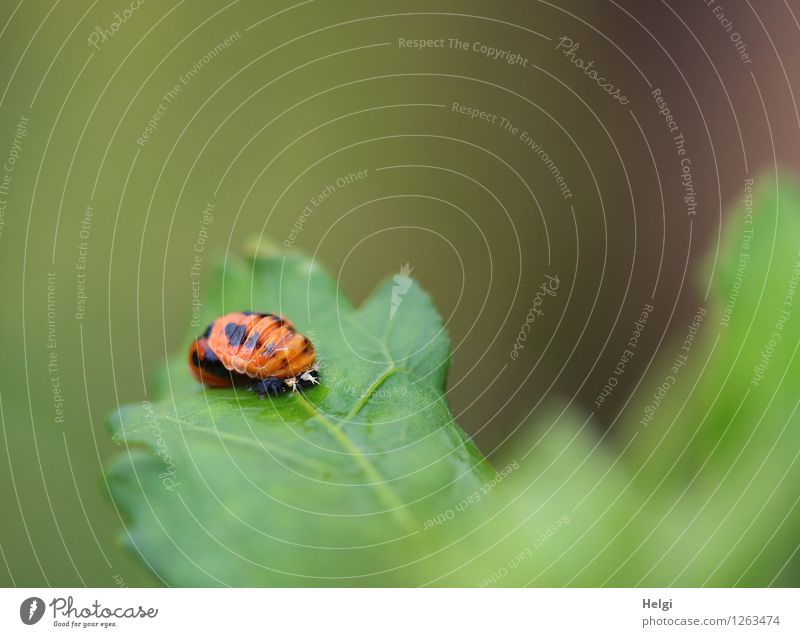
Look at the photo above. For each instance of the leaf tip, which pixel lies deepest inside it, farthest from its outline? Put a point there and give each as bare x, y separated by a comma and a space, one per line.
260, 247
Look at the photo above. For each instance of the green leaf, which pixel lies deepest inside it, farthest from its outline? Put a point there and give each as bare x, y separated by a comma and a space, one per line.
724, 444
696, 485
331, 486
566, 514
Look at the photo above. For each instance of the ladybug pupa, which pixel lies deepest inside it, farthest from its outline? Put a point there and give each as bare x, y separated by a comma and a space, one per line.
260, 352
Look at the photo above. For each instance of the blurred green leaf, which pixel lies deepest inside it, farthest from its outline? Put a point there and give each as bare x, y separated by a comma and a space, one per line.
723, 446
569, 514
331, 486
697, 485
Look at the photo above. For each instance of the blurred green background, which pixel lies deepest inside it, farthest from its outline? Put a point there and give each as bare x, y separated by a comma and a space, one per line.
275, 102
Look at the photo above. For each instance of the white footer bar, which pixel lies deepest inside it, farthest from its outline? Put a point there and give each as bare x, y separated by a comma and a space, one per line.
379, 612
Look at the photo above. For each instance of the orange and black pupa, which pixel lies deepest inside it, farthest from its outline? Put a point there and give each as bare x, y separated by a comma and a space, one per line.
262, 352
